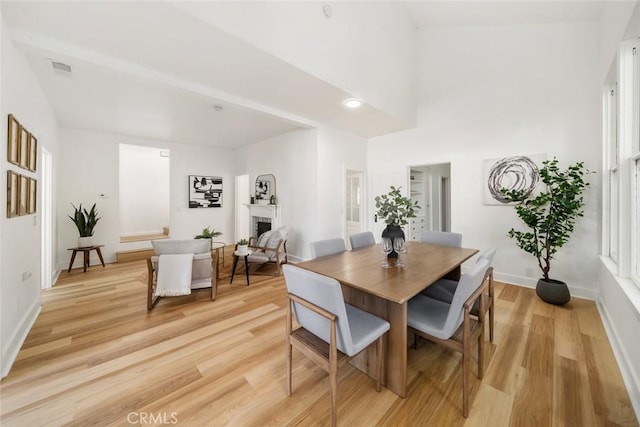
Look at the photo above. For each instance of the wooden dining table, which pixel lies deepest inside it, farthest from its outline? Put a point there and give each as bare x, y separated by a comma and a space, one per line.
386, 291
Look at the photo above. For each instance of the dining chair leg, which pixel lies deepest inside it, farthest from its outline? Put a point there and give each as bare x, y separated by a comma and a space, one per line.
289, 367
466, 362
465, 385
481, 355
491, 320
289, 347
379, 359
333, 379
492, 305
333, 373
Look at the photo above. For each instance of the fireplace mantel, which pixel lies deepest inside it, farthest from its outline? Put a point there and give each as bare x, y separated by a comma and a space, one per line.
271, 211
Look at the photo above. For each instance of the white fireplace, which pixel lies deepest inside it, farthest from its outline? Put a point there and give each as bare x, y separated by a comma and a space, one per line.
263, 218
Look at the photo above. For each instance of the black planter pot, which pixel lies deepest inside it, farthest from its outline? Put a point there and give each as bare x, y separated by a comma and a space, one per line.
553, 291
393, 232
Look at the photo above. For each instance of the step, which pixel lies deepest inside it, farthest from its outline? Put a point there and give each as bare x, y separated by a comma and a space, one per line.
134, 255
142, 237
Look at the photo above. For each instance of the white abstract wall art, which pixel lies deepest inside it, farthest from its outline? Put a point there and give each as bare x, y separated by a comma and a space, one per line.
513, 173
205, 191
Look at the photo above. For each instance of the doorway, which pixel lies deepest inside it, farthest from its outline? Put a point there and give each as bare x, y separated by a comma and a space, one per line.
46, 221
242, 196
353, 204
144, 193
430, 187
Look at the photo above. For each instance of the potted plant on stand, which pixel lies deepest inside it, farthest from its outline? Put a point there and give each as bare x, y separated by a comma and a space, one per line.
85, 222
396, 210
550, 216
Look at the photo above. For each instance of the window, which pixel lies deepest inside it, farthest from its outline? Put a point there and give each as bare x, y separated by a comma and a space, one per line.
635, 160
611, 170
621, 137
635, 252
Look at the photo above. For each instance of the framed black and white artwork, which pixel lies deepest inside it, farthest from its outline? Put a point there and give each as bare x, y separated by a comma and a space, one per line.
513, 173
205, 191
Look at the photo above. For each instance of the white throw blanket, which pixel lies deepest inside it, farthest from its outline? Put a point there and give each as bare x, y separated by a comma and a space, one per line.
174, 275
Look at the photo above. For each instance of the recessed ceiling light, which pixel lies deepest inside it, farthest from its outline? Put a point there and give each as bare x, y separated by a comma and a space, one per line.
352, 102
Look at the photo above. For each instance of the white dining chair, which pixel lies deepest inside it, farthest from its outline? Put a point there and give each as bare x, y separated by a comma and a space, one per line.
329, 328
442, 238
321, 248
452, 325
360, 240
444, 289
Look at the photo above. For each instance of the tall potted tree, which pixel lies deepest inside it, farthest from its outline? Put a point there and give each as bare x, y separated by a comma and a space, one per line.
85, 222
550, 216
396, 209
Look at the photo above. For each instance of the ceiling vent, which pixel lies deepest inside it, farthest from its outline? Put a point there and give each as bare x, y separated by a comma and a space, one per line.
61, 67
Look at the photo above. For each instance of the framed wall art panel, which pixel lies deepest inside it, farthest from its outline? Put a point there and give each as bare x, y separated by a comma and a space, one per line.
33, 153
512, 173
24, 148
13, 141
32, 196
13, 183
205, 191
23, 197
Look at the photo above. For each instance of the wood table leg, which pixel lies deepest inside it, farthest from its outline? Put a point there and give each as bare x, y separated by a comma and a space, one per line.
233, 271
395, 362
73, 258
246, 267
396, 369
100, 256
86, 259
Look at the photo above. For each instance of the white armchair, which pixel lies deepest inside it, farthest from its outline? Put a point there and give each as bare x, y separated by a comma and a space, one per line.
270, 248
203, 266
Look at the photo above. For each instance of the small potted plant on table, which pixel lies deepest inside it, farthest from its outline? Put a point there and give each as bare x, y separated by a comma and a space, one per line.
396, 210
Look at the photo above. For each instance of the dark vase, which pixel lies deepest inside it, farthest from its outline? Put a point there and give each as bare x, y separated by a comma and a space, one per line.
393, 232
553, 291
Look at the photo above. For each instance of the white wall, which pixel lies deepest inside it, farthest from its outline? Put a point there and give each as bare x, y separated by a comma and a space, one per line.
291, 158
310, 169
365, 48
337, 152
617, 24
492, 91
20, 243
87, 176
144, 190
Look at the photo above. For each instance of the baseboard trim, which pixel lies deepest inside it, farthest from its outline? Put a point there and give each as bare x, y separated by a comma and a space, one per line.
630, 381
19, 336
528, 282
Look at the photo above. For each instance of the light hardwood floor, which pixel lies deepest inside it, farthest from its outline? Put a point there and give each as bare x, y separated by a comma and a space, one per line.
96, 357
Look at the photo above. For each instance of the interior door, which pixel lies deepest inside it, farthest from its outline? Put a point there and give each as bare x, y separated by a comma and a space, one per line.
353, 204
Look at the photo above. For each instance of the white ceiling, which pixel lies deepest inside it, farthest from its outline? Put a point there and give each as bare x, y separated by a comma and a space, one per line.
150, 70
504, 12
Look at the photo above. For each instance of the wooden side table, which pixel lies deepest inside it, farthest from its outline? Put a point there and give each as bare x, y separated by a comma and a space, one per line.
85, 251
